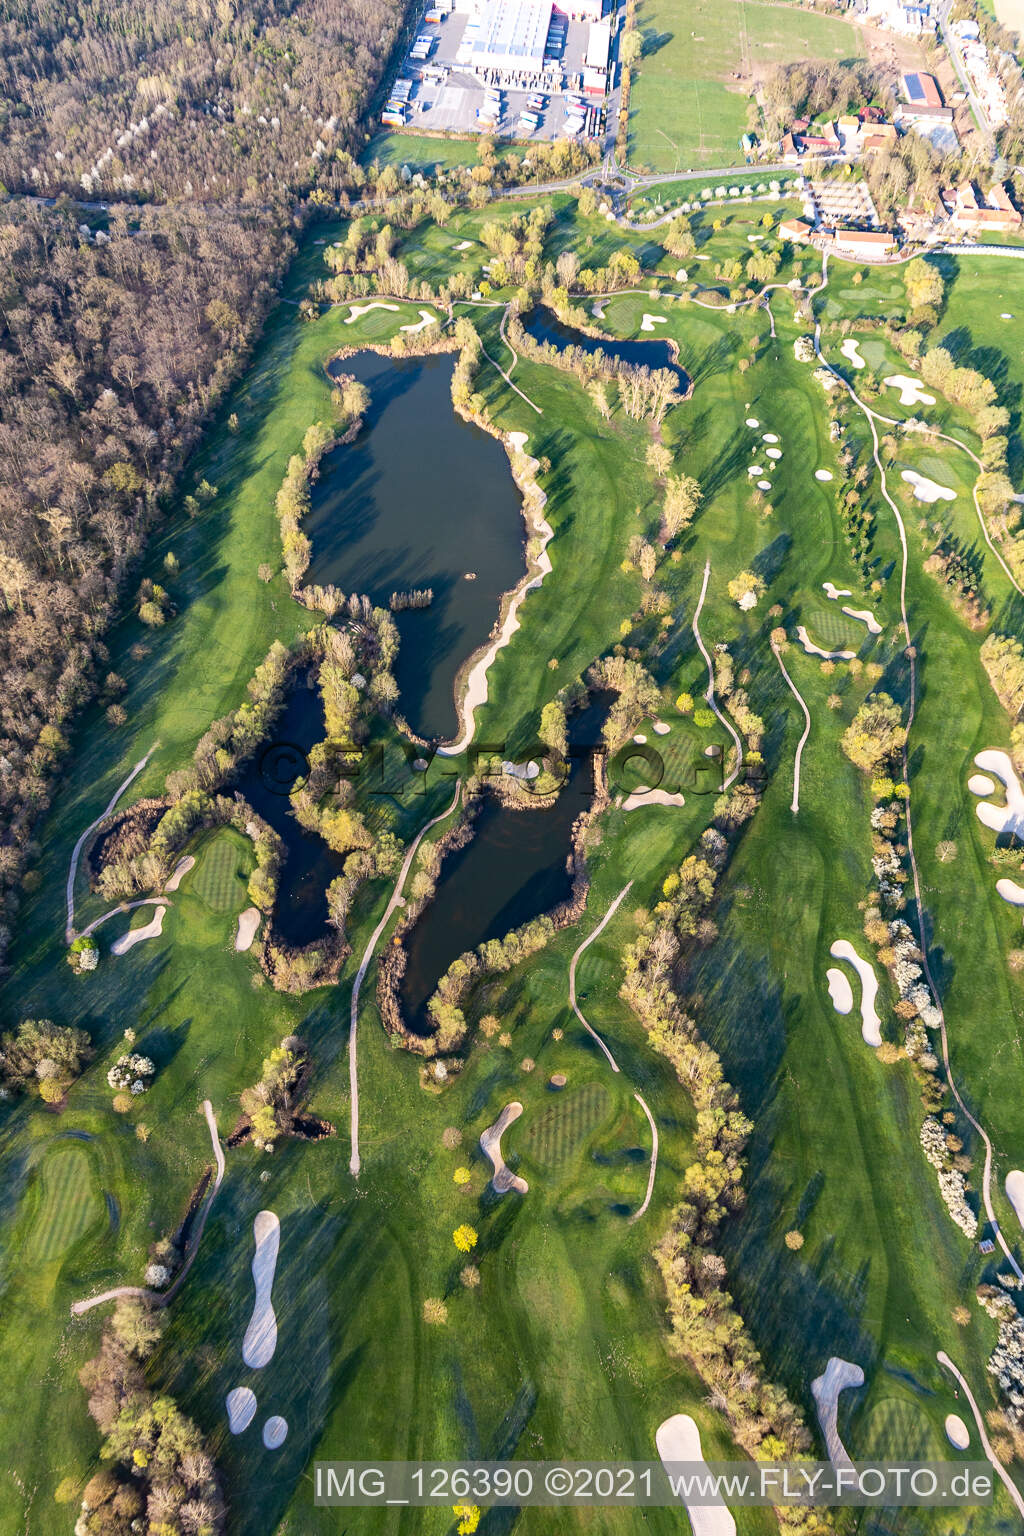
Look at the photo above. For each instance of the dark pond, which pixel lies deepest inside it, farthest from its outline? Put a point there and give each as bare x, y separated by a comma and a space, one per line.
418, 500
544, 326
300, 911
514, 869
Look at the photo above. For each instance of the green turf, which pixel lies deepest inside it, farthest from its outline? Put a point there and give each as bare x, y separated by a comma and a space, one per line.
68, 1205
217, 880
554, 1138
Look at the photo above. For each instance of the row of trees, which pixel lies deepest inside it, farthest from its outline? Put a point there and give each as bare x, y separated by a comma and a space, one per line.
350, 400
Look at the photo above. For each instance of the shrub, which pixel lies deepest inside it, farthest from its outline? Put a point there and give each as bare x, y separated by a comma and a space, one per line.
465, 1238
434, 1311
794, 1240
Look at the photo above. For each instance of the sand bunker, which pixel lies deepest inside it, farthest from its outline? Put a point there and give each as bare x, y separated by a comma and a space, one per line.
464, 245
275, 1432
839, 989
769, 437
839, 1374
755, 469
981, 784
835, 592
644, 796
179, 872
261, 1335
1015, 1192
842, 949
248, 922
135, 936
426, 318
816, 650
927, 490
752, 421
851, 351
865, 617
1008, 817
1005, 317
650, 321
490, 1145
660, 728
640, 739
1010, 891
764, 485
957, 1433
910, 390
773, 453
678, 1440
241, 1406
355, 310
823, 474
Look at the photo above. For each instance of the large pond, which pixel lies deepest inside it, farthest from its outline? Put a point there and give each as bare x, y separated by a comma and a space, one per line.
544, 326
420, 499
515, 868
300, 911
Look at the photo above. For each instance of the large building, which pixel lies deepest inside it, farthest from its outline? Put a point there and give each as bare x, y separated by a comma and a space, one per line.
993, 214
508, 36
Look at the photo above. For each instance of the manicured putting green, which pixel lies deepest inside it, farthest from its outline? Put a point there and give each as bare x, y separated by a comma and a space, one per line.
68, 1206
897, 1428
553, 1138
216, 881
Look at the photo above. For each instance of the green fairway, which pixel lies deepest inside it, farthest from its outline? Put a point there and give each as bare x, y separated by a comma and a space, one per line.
68, 1204
561, 1130
218, 879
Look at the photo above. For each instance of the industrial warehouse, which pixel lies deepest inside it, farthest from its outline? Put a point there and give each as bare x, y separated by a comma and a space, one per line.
510, 68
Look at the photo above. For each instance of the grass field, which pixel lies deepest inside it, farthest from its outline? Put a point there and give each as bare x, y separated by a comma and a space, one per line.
218, 879
68, 1204
692, 88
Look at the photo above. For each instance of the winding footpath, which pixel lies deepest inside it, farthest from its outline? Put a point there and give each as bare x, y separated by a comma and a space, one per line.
69, 929
986, 1182
794, 690
986, 1444
709, 692
354, 1163
602, 925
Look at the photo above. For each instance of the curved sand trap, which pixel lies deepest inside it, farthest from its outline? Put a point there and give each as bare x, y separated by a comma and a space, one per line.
241, 1406
769, 437
644, 796
678, 1440
773, 453
660, 728
851, 351
957, 1433
355, 310
816, 650
135, 936
426, 318
650, 321
835, 592
275, 1432
842, 949
1015, 1192
464, 245
764, 485
823, 474
490, 1145
981, 784
752, 421
1010, 891
927, 490
910, 390
755, 469
865, 617
999, 818
248, 922
839, 989
261, 1335
838, 1375
179, 872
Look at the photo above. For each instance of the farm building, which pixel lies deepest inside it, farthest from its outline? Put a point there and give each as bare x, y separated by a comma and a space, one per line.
510, 36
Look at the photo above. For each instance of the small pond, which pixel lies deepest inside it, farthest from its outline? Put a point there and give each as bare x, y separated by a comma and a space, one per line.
544, 326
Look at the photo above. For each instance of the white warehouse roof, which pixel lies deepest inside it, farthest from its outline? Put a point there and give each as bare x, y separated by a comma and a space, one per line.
512, 34
599, 42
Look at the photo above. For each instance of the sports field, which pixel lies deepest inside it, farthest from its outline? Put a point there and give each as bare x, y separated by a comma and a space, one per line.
692, 89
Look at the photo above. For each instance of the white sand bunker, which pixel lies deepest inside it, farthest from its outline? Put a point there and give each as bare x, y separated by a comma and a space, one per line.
426, 318
910, 390
660, 728
865, 617
752, 421
755, 469
816, 650
464, 245
839, 1374
241, 1406
135, 936
851, 351
248, 922
261, 1335
957, 1433
1010, 891
644, 796
773, 453
927, 490
842, 949
823, 474
275, 1432
1005, 317
490, 1145
678, 1440
839, 989
355, 310
1008, 817
981, 784
764, 485
179, 872
650, 321
769, 437
640, 739
835, 592
1015, 1192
